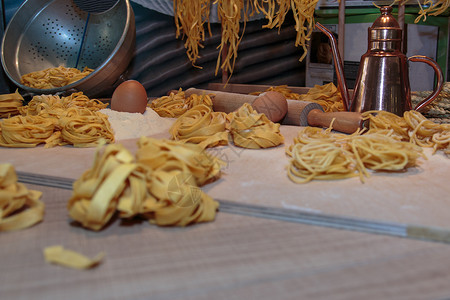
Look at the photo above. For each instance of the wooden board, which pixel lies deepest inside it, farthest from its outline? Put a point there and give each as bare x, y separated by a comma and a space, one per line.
234, 257
419, 196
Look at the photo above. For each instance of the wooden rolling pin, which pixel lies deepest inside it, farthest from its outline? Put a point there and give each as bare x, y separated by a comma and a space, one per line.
299, 113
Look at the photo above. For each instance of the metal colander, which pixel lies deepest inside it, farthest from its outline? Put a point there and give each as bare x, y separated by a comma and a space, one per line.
45, 34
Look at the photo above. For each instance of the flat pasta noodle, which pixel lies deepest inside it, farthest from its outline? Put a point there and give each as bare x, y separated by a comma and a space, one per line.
19, 207
10, 104
50, 119
82, 127
26, 131
68, 258
191, 157
252, 130
178, 199
54, 77
327, 96
176, 103
164, 190
324, 155
200, 125
191, 18
412, 127
96, 194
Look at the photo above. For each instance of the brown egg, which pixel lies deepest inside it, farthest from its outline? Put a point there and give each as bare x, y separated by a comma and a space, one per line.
272, 104
129, 96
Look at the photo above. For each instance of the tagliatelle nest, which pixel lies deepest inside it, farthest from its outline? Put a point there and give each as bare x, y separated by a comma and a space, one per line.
162, 183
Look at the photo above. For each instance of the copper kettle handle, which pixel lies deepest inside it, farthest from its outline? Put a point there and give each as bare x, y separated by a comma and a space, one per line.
440, 79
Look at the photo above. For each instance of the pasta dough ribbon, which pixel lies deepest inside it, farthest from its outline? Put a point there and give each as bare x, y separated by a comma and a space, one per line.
200, 125
19, 207
10, 104
71, 259
252, 130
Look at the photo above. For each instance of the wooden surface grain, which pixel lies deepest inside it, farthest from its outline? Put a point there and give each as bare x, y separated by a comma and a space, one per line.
234, 257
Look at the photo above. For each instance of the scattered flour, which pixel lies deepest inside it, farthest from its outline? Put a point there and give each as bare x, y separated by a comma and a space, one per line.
134, 125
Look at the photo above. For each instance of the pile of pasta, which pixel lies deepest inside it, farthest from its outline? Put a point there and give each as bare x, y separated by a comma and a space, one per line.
54, 77
253, 130
391, 143
19, 207
327, 96
324, 155
191, 17
201, 125
247, 128
10, 104
161, 183
413, 127
176, 103
52, 120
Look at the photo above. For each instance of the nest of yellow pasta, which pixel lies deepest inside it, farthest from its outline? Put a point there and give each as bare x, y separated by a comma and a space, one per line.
54, 77
161, 183
19, 207
56, 121
391, 143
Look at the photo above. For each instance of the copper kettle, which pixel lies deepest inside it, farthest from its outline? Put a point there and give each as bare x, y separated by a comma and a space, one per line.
382, 82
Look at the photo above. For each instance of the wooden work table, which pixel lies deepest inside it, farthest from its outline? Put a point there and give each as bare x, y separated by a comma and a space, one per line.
234, 257
263, 244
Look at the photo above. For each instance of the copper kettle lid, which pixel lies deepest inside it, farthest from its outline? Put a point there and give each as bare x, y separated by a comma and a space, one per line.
385, 29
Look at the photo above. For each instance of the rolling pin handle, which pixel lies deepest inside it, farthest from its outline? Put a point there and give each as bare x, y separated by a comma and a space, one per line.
347, 122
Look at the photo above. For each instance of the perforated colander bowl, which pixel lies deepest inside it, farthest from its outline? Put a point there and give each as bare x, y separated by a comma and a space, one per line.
46, 34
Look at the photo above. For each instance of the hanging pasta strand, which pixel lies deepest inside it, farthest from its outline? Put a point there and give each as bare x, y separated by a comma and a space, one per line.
230, 13
190, 19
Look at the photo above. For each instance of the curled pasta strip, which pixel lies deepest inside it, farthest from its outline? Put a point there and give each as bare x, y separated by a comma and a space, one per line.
166, 191
252, 130
190, 18
54, 77
71, 259
320, 160
53, 105
19, 207
191, 157
26, 131
85, 128
200, 125
171, 106
176, 104
327, 155
115, 182
178, 199
412, 127
327, 96
10, 104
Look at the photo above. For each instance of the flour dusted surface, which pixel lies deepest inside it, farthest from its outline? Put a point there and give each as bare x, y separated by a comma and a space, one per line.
134, 125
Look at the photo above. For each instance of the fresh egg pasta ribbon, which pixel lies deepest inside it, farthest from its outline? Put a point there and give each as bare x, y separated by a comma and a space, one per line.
161, 184
252, 130
10, 104
200, 125
412, 127
97, 192
327, 96
54, 77
176, 104
192, 158
26, 131
82, 127
324, 155
178, 201
19, 207
68, 258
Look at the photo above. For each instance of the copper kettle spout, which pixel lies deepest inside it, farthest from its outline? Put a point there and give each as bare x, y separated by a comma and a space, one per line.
342, 84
